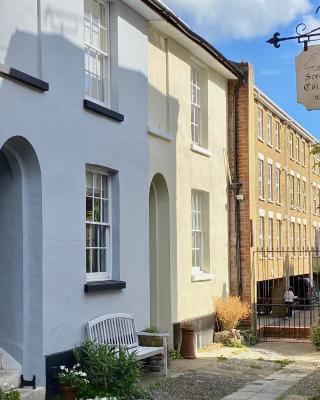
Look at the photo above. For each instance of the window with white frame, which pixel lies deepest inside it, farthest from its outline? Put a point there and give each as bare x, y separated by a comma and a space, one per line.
292, 236
304, 237
269, 130
318, 205
270, 234
260, 179
269, 182
278, 234
298, 200
314, 237
196, 112
260, 124
297, 149
278, 185
303, 194
277, 135
291, 145
96, 50
291, 189
299, 237
261, 233
197, 211
303, 153
314, 200
98, 225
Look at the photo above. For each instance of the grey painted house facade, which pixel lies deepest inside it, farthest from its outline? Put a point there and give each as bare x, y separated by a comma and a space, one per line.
74, 191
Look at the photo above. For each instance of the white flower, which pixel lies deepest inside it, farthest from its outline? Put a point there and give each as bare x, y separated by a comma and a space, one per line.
62, 367
78, 365
5, 385
12, 387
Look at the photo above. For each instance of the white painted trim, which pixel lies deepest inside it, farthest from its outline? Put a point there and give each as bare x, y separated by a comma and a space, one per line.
279, 216
318, 186
200, 150
270, 214
305, 222
270, 161
315, 224
160, 134
201, 276
293, 219
313, 184
261, 156
298, 175
278, 165
298, 220
304, 179
291, 172
262, 213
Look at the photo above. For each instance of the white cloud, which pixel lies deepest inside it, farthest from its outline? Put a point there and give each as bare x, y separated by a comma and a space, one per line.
241, 19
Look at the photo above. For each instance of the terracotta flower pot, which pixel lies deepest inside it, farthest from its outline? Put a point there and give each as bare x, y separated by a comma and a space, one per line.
187, 343
68, 393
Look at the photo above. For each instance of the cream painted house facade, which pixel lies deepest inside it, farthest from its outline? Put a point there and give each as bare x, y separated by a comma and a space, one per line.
188, 117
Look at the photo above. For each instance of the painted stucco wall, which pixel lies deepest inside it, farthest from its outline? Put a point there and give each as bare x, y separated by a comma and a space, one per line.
65, 138
185, 170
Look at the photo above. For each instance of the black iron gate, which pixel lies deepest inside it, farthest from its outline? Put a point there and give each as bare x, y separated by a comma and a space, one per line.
274, 272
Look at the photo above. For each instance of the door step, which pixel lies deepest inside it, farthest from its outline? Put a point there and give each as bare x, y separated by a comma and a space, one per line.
33, 394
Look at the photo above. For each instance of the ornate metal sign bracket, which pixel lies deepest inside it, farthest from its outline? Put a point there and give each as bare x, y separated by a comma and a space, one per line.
302, 36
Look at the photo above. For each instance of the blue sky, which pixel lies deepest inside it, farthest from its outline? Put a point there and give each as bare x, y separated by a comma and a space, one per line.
239, 29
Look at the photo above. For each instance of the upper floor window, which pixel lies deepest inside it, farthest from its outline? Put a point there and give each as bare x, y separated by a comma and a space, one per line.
261, 233
98, 225
197, 217
292, 232
314, 200
270, 237
196, 112
298, 193
291, 144
269, 182
303, 193
278, 235
269, 130
260, 124
260, 179
303, 153
304, 238
96, 50
278, 185
297, 149
291, 189
277, 135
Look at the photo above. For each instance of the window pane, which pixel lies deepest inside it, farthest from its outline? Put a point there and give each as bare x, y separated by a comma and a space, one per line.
95, 260
97, 210
103, 261
97, 185
105, 213
104, 193
89, 209
89, 182
88, 261
88, 235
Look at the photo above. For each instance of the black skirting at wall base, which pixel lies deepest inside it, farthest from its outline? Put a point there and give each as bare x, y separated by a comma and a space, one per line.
21, 77
53, 363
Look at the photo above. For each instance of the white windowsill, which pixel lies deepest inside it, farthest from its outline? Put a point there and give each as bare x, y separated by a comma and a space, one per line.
201, 276
160, 134
200, 150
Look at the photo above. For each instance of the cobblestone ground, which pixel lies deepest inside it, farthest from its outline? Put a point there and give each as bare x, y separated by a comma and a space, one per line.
197, 386
308, 387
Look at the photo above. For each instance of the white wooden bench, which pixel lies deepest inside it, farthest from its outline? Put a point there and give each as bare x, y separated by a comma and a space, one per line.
119, 330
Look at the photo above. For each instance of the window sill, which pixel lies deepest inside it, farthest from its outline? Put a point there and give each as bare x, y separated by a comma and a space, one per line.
278, 204
278, 150
270, 145
200, 150
97, 108
201, 276
101, 286
271, 201
262, 198
160, 134
260, 139
22, 77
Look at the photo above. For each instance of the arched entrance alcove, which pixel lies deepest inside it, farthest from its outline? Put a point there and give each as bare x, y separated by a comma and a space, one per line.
21, 255
159, 239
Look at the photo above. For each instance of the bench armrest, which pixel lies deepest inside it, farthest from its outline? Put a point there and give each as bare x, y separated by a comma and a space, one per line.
159, 334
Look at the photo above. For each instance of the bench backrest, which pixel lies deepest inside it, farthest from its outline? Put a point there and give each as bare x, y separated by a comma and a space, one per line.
114, 329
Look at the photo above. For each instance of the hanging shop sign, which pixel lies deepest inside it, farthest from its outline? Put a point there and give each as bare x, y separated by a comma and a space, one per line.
308, 77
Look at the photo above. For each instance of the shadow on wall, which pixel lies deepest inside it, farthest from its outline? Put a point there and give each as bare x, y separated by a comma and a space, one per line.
38, 117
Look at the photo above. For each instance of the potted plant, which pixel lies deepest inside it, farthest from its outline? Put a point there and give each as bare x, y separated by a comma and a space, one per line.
156, 361
187, 342
9, 392
73, 381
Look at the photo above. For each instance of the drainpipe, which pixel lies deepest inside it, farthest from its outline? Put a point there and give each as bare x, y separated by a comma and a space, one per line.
236, 185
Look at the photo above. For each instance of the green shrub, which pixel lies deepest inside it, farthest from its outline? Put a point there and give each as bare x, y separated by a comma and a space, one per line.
9, 393
175, 355
316, 336
111, 371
